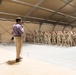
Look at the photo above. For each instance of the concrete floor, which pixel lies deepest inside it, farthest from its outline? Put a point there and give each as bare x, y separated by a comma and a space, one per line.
29, 66
62, 56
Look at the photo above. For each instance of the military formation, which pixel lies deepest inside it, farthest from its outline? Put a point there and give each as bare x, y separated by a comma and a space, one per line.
60, 38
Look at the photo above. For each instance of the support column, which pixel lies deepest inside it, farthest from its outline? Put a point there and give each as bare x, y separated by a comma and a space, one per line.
63, 28
53, 27
40, 27
72, 28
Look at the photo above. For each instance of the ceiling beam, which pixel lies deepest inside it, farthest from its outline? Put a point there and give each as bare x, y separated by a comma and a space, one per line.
52, 21
59, 10
0, 1
34, 7
46, 9
70, 14
23, 3
72, 21
67, 17
43, 20
4, 13
70, 4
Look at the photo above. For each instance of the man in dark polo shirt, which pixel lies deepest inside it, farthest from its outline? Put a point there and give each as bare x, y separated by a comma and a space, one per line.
18, 30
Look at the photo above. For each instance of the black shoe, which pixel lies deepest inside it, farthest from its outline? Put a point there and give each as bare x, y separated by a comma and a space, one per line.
20, 58
17, 60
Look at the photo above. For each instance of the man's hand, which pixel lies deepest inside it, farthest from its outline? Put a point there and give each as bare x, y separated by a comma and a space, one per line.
22, 26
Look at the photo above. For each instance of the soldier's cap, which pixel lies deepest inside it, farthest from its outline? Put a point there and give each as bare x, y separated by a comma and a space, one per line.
18, 18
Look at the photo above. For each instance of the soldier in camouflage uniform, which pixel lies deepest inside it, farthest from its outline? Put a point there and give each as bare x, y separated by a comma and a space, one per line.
53, 38
49, 38
0, 38
37, 36
27, 37
58, 38
70, 38
34, 36
45, 37
64, 39
41, 37
74, 38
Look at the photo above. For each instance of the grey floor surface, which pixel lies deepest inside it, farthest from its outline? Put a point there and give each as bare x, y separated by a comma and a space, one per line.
61, 56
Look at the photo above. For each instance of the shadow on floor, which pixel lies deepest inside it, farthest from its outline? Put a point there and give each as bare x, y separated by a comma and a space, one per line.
12, 62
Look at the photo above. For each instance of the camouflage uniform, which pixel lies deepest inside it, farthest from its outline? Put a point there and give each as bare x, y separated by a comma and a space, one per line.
74, 39
58, 38
41, 37
0, 38
37, 35
45, 37
70, 38
64, 39
49, 38
53, 38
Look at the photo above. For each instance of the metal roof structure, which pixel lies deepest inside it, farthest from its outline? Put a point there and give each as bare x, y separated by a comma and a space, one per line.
61, 12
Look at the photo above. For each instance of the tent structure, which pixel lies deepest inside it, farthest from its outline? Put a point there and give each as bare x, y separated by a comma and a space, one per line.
58, 14
50, 11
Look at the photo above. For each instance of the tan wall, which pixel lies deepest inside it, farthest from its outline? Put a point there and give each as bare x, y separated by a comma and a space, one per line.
31, 27
46, 27
67, 28
6, 29
58, 28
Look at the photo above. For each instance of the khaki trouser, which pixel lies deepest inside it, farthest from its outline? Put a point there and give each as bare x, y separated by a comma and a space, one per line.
69, 42
18, 42
53, 41
49, 40
64, 43
58, 41
45, 40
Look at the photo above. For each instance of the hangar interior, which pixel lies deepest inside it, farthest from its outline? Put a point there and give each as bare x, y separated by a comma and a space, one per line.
40, 16
43, 15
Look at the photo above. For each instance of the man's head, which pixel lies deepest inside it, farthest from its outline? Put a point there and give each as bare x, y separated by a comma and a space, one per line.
18, 20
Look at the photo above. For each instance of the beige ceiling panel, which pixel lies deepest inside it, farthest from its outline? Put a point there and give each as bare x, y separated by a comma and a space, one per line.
74, 14
40, 13
14, 8
74, 22
52, 4
68, 9
32, 20
30, 1
69, 20
73, 2
7, 16
57, 17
